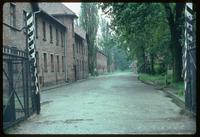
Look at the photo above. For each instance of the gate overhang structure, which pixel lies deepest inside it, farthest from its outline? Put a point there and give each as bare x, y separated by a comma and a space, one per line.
18, 98
21, 96
189, 59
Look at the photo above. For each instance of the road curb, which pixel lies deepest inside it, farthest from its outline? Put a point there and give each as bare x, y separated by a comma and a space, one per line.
54, 86
64, 84
178, 101
175, 98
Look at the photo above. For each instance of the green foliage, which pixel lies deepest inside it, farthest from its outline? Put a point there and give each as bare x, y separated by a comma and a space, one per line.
89, 21
109, 42
160, 68
179, 86
156, 79
147, 35
161, 79
175, 17
120, 58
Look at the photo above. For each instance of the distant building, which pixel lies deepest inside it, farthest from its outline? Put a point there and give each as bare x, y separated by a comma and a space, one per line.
133, 66
111, 66
101, 62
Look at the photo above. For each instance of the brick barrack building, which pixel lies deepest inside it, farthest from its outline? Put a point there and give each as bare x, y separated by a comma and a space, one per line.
56, 42
80, 54
50, 46
61, 48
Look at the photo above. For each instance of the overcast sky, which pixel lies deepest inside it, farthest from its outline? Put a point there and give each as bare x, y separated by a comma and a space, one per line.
74, 6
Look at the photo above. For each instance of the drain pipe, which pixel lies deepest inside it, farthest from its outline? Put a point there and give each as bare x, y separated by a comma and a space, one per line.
65, 57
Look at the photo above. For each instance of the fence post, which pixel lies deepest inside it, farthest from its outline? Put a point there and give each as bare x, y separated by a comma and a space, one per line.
189, 60
11, 105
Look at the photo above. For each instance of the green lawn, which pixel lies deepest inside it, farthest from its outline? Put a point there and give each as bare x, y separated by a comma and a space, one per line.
157, 79
163, 81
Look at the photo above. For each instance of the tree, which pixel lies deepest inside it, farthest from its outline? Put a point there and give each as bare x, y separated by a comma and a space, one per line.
106, 41
151, 32
89, 21
175, 21
110, 44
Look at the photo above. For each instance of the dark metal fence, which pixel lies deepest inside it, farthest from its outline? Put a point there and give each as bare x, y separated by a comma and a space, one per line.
190, 97
189, 58
18, 99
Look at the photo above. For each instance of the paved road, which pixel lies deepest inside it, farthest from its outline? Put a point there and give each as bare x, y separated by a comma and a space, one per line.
109, 104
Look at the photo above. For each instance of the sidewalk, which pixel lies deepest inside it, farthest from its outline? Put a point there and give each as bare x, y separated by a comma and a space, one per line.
54, 86
180, 101
64, 84
44, 90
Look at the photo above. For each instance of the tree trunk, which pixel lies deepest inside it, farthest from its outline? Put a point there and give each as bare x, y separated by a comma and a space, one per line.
91, 59
144, 70
152, 64
175, 46
178, 48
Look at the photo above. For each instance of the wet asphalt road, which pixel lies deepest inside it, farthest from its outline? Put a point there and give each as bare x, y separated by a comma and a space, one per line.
109, 104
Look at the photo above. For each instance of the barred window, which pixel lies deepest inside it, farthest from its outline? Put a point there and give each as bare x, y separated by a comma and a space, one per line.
62, 41
73, 50
24, 20
45, 62
51, 36
52, 63
12, 15
44, 30
58, 63
57, 40
63, 67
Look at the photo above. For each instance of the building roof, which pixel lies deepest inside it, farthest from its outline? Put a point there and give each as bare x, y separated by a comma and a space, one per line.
79, 31
101, 52
54, 8
42, 12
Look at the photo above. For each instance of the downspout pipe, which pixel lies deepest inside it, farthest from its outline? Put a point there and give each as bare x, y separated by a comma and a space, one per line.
65, 57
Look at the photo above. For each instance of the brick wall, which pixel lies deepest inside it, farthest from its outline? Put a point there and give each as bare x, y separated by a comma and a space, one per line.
55, 71
101, 62
10, 35
81, 52
51, 49
14, 38
68, 22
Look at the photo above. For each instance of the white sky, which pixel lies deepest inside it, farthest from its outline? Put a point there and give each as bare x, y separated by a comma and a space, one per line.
74, 6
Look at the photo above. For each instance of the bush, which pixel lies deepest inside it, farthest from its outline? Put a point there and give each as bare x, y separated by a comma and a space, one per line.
157, 79
180, 93
160, 69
